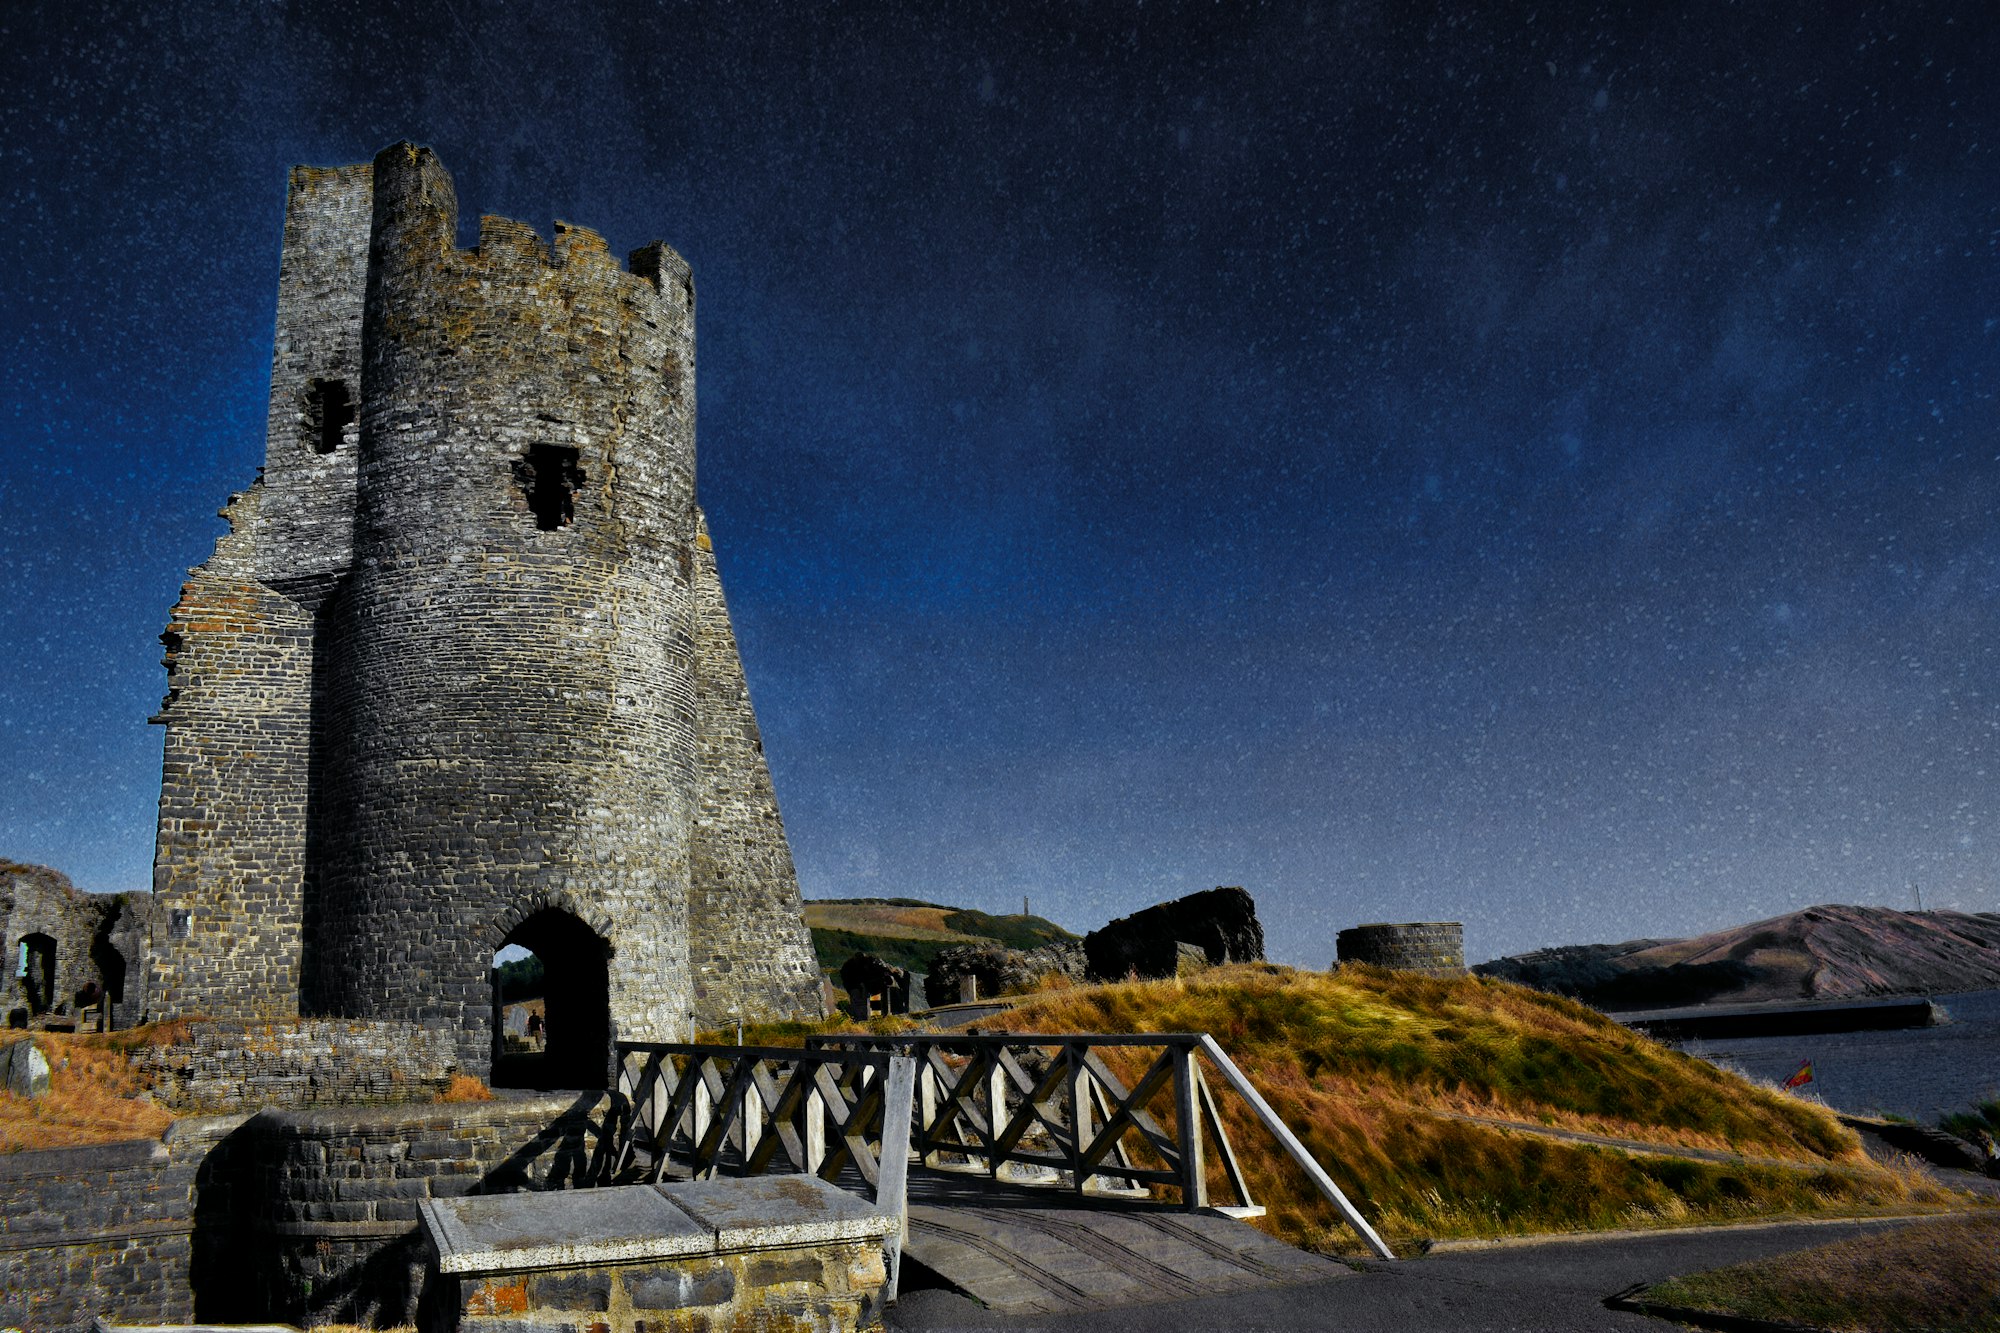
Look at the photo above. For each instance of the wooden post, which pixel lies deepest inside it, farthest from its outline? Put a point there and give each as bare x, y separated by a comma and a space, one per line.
700, 1111
893, 1164
996, 1113
815, 1127
1187, 1116
752, 1112
1290, 1143
1246, 1206
928, 1084
1079, 1115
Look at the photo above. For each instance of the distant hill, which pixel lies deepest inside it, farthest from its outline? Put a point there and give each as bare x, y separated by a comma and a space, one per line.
1821, 953
909, 932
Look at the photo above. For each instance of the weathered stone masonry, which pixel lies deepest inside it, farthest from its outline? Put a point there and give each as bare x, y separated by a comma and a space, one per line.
461, 671
307, 1216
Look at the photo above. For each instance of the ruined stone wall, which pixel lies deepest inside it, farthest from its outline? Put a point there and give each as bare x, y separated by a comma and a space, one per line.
99, 937
509, 666
312, 432
751, 951
37, 901
229, 858
305, 1062
1435, 948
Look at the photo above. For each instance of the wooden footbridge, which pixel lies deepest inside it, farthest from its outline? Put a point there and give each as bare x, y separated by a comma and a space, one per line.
1030, 1174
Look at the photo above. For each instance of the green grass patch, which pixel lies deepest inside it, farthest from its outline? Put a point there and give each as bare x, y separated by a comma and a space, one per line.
1940, 1277
1983, 1119
833, 947
1015, 931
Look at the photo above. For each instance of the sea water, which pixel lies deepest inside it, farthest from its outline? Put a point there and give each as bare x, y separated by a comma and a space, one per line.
1918, 1073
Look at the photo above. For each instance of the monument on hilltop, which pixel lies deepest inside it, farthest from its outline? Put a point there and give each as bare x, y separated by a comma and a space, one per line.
460, 674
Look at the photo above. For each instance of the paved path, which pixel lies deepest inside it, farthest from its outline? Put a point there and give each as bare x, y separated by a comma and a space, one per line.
1548, 1288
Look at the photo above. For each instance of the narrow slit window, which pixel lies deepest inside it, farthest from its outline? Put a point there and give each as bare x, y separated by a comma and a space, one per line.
329, 412
550, 477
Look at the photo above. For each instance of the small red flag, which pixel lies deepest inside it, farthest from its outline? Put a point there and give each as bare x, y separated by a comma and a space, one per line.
1803, 1077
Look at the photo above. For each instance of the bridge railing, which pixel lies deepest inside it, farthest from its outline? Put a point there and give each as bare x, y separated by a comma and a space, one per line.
1010, 1104
698, 1111
1022, 1108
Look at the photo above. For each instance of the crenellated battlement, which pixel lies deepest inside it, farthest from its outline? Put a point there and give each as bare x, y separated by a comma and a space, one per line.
416, 222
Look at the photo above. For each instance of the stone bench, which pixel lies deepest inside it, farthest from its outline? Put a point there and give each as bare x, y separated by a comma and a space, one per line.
770, 1251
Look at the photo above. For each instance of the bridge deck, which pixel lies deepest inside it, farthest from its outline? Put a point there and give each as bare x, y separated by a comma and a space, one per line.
1037, 1251
1048, 1260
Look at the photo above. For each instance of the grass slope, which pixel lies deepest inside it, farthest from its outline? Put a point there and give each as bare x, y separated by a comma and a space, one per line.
909, 933
1391, 1081
1940, 1277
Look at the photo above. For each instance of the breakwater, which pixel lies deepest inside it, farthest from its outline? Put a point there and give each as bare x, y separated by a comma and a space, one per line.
1921, 1073
1722, 1022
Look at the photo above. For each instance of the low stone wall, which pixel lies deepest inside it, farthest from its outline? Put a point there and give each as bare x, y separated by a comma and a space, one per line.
300, 1062
326, 1201
776, 1252
304, 1216
107, 1229
1436, 948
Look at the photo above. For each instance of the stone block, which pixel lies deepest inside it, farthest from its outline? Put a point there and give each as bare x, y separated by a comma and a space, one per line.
24, 1069
679, 1288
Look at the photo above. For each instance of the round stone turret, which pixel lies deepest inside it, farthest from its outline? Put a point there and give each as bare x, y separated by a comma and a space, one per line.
1435, 948
508, 667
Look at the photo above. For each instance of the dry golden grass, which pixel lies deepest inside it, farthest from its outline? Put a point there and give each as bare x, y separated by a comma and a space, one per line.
95, 1095
466, 1088
917, 923
1941, 1277
1359, 1063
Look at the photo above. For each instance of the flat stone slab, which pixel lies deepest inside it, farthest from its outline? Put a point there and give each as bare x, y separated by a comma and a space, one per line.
762, 1212
1053, 1260
501, 1233
627, 1224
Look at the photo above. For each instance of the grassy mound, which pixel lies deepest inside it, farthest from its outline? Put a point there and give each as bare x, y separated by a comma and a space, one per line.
1939, 1277
1395, 1083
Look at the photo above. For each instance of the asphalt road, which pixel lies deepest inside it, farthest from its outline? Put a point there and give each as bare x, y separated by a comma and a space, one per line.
1557, 1287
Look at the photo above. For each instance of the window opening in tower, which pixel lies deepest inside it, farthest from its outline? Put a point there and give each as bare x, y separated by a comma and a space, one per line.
329, 412
550, 477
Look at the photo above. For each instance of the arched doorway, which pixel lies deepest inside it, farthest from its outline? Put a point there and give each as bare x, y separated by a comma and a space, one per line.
552, 1005
110, 964
38, 973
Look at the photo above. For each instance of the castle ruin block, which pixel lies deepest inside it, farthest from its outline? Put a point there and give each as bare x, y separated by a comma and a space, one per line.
461, 674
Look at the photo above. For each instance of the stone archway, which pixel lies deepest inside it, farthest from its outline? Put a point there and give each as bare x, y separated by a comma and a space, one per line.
38, 972
571, 1044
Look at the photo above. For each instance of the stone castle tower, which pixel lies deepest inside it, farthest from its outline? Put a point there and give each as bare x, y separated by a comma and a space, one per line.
461, 674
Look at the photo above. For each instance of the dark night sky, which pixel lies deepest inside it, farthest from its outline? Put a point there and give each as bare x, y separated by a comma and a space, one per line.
1415, 462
